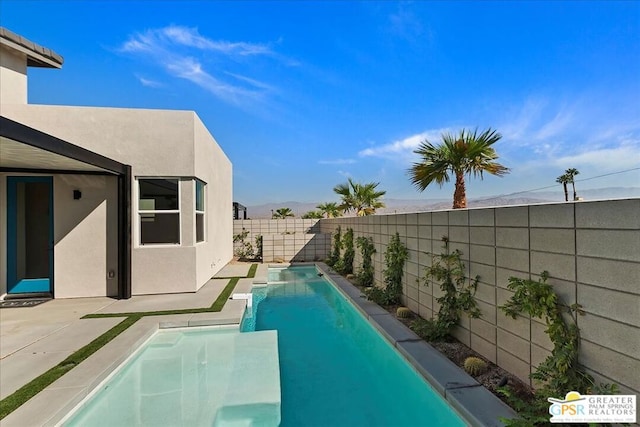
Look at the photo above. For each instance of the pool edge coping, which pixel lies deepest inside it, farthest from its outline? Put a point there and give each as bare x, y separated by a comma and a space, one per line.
457, 387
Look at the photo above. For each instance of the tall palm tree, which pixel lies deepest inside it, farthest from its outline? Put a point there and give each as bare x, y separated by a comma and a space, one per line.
564, 180
282, 213
363, 199
331, 209
463, 154
571, 173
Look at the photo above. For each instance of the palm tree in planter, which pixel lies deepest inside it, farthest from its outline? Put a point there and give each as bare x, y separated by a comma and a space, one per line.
564, 180
282, 213
331, 210
459, 155
363, 199
571, 173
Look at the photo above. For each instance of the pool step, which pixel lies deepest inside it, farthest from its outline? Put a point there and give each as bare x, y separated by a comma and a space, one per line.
253, 395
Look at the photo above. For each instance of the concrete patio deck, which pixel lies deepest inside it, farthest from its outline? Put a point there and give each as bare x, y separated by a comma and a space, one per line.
35, 339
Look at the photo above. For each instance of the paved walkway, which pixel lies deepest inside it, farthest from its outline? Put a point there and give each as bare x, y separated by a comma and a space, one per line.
35, 339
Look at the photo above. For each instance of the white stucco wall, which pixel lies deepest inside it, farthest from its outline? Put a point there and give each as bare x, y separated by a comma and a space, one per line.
214, 168
13, 76
85, 235
156, 143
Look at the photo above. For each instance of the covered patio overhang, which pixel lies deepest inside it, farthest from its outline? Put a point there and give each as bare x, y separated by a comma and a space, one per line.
27, 150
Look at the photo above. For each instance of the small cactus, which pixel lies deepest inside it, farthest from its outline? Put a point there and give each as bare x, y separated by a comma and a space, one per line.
403, 312
474, 365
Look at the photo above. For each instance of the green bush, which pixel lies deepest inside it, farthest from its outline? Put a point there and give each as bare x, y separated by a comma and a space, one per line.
457, 291
560, 372
245, 251
394, 257
334, 256
366, 272
346, 262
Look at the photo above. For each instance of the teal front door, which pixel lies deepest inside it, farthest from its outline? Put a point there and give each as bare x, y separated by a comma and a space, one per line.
29, 234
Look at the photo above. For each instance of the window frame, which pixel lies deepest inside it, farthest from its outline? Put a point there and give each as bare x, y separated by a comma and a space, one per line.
202, 212
141, 212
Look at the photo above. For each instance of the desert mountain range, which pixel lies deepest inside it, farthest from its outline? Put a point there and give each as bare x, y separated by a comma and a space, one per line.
421, 205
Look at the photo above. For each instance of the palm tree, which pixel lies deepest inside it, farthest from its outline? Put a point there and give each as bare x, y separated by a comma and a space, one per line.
464, 154
571, 173
313, 215
331, 209
282, 213
564, 180
363, 199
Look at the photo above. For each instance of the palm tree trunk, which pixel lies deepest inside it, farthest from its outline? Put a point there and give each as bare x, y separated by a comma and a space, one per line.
575, 196
460, 195
566, 192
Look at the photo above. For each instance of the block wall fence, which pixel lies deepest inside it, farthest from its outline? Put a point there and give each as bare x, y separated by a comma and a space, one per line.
590, 249
285, 240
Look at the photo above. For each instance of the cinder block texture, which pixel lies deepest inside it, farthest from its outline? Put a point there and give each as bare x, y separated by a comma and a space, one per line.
613, 214
552, 216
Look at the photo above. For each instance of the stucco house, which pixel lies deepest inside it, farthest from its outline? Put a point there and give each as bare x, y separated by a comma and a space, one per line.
105, 201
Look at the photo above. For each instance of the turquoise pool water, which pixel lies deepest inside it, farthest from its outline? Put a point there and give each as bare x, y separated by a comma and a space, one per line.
336, 369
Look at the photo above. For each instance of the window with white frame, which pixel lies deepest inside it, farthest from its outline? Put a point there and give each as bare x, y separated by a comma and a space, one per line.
200, 210
159, 211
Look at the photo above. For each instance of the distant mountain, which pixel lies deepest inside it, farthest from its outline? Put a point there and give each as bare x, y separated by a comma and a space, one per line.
421, 205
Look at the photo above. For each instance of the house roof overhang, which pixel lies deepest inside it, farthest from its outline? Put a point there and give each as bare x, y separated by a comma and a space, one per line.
37, 56
25, 148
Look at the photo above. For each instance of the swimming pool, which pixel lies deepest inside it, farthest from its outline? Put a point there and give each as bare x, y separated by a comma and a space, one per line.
213, 376
305, 357
336, 369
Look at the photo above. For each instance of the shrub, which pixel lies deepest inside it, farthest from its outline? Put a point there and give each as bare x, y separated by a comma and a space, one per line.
245, 250
346, 264
422, 327
365, 274
458, 291
395, 256
560, 371
334, 256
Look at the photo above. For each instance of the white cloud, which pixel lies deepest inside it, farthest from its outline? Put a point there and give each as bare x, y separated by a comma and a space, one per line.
190, 69
624, 156
190, 37
148, 82
403, 149
180, 51
337, 162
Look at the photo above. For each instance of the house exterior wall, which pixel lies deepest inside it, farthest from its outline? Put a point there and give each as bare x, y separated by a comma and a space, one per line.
590, 249
213, 167
156, 143
81, 263
13, 76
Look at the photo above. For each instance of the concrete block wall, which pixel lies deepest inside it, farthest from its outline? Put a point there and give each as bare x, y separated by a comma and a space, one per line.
590, 249
286, 240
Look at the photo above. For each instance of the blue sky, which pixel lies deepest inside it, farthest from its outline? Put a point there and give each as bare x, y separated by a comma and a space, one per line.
302, 95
